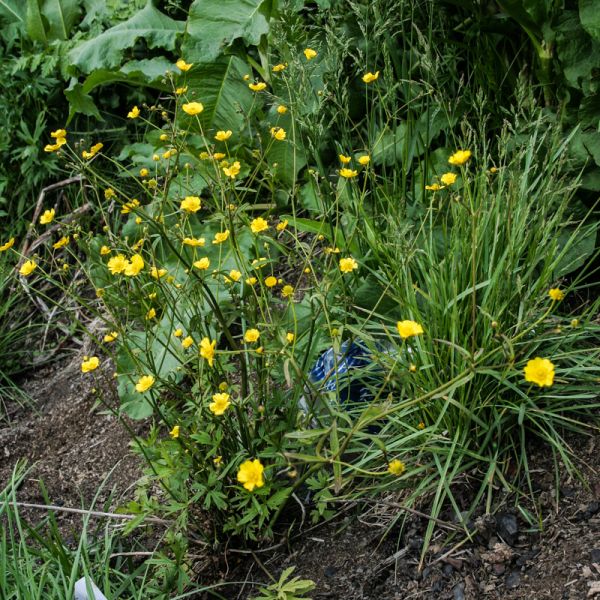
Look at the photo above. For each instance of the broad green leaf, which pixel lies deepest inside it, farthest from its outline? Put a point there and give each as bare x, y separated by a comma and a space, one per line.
578, 53
106, 51
578, 252
221, 89
147, 72
62, 16
589, 13
214, 26
12, 11
36, 27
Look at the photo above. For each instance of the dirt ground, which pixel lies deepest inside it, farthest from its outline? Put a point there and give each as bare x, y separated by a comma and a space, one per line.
69, 446
75, 448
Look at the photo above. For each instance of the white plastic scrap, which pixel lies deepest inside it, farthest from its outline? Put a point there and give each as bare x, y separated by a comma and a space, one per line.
82, 594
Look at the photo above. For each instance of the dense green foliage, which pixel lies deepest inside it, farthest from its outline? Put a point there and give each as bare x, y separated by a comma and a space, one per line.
270, 181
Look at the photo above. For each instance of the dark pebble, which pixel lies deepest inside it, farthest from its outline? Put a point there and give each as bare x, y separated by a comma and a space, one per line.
459, 592
507, 527
513, 580
592, 509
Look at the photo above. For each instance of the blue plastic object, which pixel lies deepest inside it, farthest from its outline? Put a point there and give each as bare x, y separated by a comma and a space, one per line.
343, 372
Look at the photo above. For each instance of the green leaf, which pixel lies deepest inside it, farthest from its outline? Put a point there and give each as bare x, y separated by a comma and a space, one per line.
221, 89
36, 27
13, 12
106, 51
589, 13
214, 26
80, 102
578, 53
62, 16
579, 251
147, 73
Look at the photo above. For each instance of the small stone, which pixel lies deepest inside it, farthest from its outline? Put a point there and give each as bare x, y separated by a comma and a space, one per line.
513, 580
459, 592
507, 527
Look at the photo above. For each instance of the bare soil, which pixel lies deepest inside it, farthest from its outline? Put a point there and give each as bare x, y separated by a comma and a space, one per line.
75, 447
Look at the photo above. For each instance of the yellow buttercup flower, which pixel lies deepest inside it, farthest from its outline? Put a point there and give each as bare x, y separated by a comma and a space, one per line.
47, 216
202, 264
396, 467
278, 133
193, 108
191, 204
556, 294
207, 350
539, 371
348, 173
259, 224
257, 87
129, 206
117, 264
90, 364
134, 266
233, 170
222, 136
221, 237
93, 151
408, 329
27, 268
251, 336
134, 113
183, 66
7, 245
281, 109
345, 159
448, 178
460, 157
62, 242
364, 160
370, 77
111, 337
54, 147
250, 474
309, 53
144, 383
174, 433
347, 265
219, 404
194, 242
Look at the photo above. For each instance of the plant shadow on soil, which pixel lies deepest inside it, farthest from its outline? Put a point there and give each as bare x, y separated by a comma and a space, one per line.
75, 449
